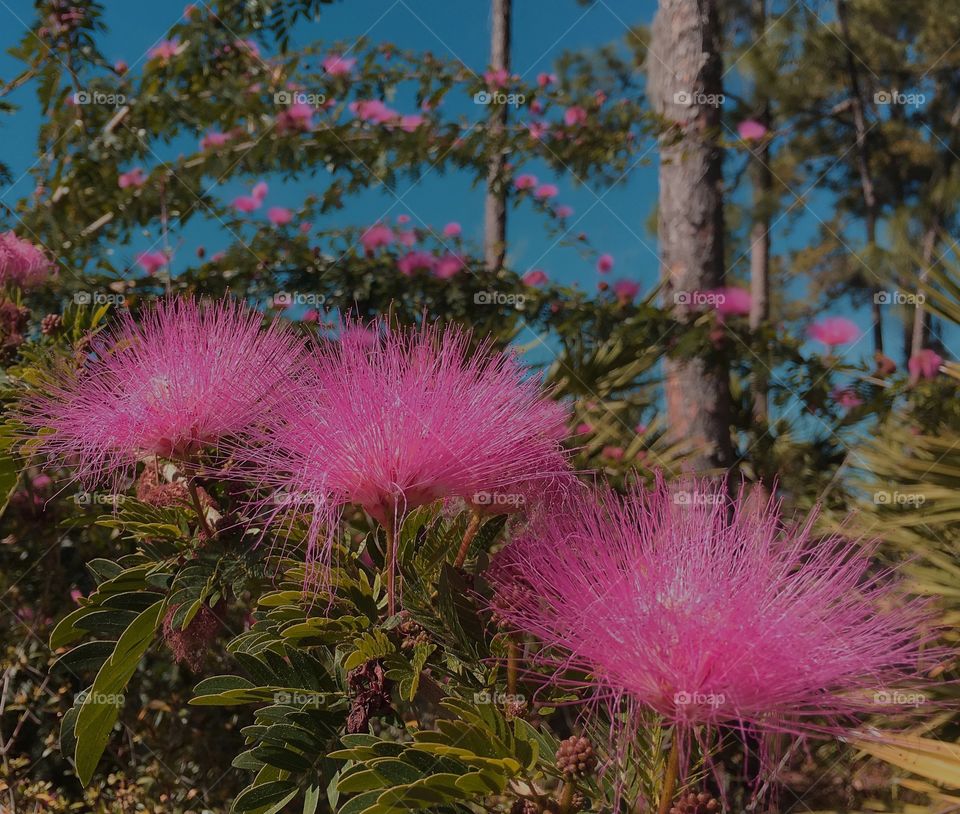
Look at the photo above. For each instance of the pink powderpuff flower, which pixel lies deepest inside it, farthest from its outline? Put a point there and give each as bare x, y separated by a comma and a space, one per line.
246, 203
452, 229
407, 238
152, 262
184, 376
712, 613
260, 190
23, 264
535, 277
374, 111
402, 219
391, 419
447, 266
625, 290
337, 65
605, 263
120, 67
613, 453
497, 78
526, 181
164, 50
279, 215
416, 261
132, 178
546, 191
564, 211
410, 123
376, 237
297, 118
731, 301
924, 364
834, 331
574, 116
846, 398
214, 139
538, 130
545, 79
751, 130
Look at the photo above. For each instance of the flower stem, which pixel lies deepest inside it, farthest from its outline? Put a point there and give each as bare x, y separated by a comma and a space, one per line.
198, 505
566, 796
513, 664
472, 528
670, 776
391, 567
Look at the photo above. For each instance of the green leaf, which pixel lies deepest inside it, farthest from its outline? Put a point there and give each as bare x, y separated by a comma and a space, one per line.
266, 797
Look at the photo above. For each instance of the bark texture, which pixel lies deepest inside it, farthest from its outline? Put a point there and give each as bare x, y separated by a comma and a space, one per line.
495, 204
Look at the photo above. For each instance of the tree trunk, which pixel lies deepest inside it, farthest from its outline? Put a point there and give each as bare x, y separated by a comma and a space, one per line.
685, 85
760, 231
920, 335
495, 204
858, 106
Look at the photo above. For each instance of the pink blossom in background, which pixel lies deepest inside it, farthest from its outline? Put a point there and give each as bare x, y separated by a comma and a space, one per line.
640, 429
536, 107
296, 118
76, 595
448, 266
600, 97
546, 191
260, 191
526, 181
535, 277
152, 262
376, 237
712, 612
403, 219
924, 364
121, 67
185, 375
337, 65
22, 263
407, 239
373, 110
411, 122
214, 139
583, 429
279, 215
574, 116
496, 78
164, 50
452, 229
416, 261
246, 203
626, 290
564, 211
545, 79
538, 130
613, 453
846, 397
731, 301
833, 331
751, 130
305, 228
132, 178
605, 263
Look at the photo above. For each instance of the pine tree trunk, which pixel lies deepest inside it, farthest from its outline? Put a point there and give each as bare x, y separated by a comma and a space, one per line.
495, 204
920, 335
685, 86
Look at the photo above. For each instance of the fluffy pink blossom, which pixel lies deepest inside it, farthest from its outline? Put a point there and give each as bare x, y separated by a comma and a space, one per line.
373, 110
392, 419
410, 123
605, 263
214, 139
535, 277
402, 219
164, 50
731, 301
712, 613
834, 331
626, 290
132, 178
416, 261
246, 203
260, 190
564, 211
613, 453
152, 262
574, 116
448, 266
297, 118
538, 130
545, 79
924, 364
407, 238
279, 215
337, 65
546, 191
452, 229
526, 181
751, 130
496, 78
376, 237
23, 264
184, 375
121, 66
846, 397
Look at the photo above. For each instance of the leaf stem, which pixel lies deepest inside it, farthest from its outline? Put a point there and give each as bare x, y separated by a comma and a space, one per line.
670, 776
472, 528
198, 506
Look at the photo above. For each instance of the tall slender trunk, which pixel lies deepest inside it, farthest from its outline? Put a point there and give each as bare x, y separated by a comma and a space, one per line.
920, 335
685, 84
858, 106
495, 204
760, 231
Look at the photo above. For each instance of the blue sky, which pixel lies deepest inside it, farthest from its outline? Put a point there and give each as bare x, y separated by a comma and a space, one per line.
615, 218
